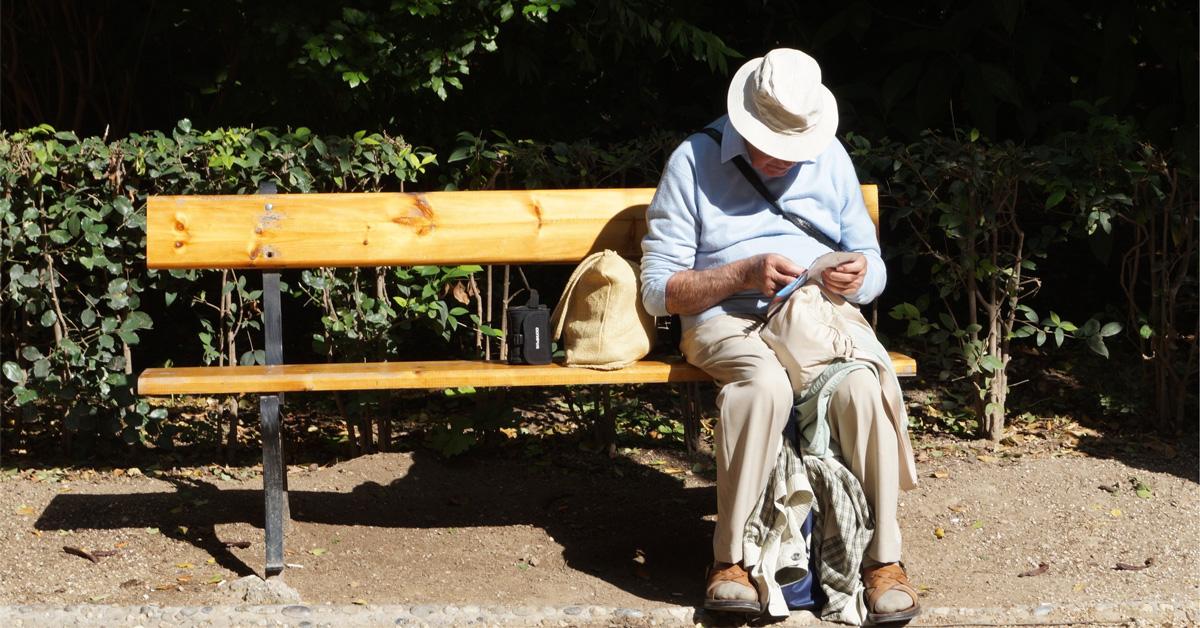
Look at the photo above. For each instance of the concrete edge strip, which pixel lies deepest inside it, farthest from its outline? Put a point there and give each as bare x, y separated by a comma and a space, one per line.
1187, 613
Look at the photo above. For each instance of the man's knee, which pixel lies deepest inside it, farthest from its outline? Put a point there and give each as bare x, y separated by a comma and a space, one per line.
767, 390
858, 386
771, 383
857, 405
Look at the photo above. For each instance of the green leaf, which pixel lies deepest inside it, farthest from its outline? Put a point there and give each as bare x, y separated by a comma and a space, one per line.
24, 395
135, 321
1145, 331
1096, 344
48, 318
1055, 198
904, 311
1110, 329
123, 205
460, 153
14, 373
41, 368
991, 363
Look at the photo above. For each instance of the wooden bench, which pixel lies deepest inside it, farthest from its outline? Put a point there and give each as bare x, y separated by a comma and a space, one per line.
272, 232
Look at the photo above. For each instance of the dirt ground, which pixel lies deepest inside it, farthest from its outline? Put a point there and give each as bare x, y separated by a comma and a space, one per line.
561, 526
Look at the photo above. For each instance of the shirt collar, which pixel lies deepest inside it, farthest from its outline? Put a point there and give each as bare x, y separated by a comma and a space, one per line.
732, 144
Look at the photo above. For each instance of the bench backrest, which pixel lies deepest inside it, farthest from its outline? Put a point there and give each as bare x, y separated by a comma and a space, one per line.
272, 231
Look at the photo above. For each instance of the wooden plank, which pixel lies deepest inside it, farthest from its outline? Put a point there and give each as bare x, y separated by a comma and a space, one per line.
871, 198
904, 365
385, 229
415, 375
400, 375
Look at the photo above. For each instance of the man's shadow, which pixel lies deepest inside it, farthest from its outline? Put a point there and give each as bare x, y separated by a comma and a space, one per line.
633, 526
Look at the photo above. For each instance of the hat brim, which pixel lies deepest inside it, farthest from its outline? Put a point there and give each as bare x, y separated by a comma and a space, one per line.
800, 147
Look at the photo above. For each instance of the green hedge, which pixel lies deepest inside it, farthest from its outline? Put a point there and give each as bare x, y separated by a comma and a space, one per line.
73, 227
76, 299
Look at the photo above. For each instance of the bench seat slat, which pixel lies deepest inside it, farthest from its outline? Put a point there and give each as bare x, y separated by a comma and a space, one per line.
416, 375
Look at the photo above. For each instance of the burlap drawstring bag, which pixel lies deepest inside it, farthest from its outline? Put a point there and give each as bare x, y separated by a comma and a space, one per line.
600, 317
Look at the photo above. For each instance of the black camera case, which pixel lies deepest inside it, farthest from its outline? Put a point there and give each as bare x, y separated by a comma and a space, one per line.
529, 332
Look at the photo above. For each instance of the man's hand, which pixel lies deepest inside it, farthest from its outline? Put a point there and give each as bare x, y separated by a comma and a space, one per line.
693, 291
768, 273
847, 278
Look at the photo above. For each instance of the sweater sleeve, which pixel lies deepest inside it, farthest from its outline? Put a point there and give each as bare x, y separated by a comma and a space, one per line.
672, 230
858, 231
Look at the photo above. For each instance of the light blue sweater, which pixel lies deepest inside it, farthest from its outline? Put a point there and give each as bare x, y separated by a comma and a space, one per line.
705, 214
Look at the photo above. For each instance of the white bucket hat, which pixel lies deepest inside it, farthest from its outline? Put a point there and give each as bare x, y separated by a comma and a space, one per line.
778, 104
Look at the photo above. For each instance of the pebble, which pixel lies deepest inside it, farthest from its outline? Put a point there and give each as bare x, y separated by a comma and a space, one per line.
423, 610
296, 610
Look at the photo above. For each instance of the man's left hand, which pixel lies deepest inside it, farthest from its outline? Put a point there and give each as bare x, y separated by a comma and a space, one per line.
847, 278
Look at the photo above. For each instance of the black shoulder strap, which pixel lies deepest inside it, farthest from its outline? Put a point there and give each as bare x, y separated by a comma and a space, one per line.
756, 182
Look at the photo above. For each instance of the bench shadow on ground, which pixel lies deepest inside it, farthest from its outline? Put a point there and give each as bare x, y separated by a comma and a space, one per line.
602, 512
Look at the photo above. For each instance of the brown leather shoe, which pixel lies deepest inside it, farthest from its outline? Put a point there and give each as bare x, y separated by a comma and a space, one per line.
732, 574
881, 579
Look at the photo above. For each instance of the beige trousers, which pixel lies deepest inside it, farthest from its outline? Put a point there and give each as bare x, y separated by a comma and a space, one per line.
755, 400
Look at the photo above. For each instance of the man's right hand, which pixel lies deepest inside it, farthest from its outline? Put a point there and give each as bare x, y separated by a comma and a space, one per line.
693, 291
768, 273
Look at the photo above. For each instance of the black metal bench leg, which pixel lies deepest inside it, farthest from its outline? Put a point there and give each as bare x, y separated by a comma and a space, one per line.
691, 416
274, 481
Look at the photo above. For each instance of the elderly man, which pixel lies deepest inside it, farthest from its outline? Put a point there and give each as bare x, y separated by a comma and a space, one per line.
718, 250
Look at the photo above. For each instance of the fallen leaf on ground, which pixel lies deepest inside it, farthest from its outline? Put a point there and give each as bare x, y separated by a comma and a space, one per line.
165, 587
1128, 567
317, 551
24, 510
939, 533
941, 474
1037, 571
129, 584
80, 553
121, 544
216, 579
1110, 489
184, 565
1141, 488
978, 525
184, 579
986, 458
237, 544
96, 598
360, 602
1079, 586
1115, 512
